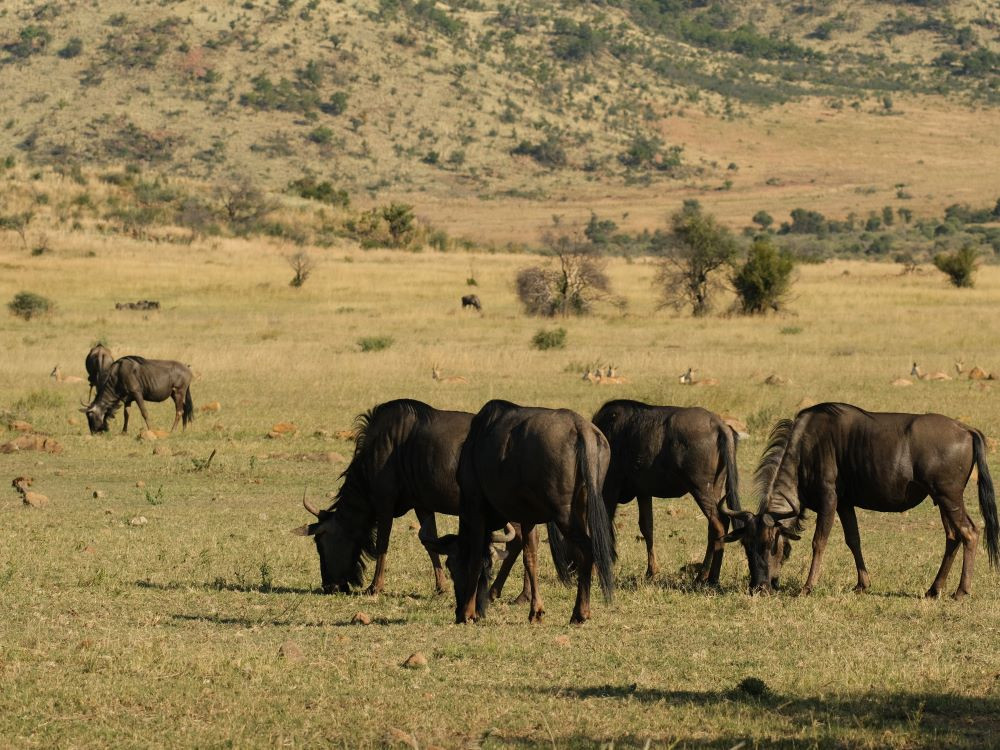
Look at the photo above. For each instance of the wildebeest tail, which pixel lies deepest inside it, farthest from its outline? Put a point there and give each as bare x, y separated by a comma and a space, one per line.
602, 541
188, 407
727, 451
987, 500
565, 568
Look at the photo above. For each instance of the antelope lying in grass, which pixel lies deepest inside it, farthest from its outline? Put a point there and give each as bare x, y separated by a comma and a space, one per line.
976, 373
921, 375
60, 378
688, 378
436, 375
608, 376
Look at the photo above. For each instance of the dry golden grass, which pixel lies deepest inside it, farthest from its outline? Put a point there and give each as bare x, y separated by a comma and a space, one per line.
168, 632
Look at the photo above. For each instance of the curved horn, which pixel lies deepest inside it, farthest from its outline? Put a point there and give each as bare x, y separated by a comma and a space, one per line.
738, 515
309, 506
505, 536
776, 517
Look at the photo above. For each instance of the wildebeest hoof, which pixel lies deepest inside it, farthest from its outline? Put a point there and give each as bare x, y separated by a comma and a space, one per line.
859, 589
650, 573
959, 595
578, 619
372, 591
536, 616
522, 598
805, 591
932, 594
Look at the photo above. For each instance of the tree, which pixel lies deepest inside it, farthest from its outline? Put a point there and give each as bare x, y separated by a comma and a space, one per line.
696, 247
763, 219
959, 266
577, 281
763, 281
302, 265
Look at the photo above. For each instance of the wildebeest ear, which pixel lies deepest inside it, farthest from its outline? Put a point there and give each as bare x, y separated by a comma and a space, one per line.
446, 545
310, 529
735, 534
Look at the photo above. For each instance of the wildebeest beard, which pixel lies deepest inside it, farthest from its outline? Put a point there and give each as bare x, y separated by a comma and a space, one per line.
348, 543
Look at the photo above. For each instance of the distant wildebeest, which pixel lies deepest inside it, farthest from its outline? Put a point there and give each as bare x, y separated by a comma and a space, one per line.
670, 451
98, 360
472, 300
140, 380
530, 465
833, 458
143, 304
405, 458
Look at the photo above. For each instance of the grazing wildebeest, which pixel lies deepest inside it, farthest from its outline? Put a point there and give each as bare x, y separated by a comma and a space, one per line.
530, 465
98, 360
472, 300
833, 458
137, 379
670, 451
405, 458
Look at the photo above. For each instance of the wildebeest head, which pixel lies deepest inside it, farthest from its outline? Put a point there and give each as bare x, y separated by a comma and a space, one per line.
449, 547
766, 541
340, 556
97, 417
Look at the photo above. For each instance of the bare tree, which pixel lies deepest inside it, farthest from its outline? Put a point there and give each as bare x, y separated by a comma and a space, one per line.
303, 266
243, 204
575, 282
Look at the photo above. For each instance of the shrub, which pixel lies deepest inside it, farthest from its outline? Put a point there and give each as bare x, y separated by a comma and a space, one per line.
72, 49
959, 266
336, 105
30, 41
554, 339
763, 281
324, 192
570, 288
375, 343
303, 267
399, 217
28, 305
549, 153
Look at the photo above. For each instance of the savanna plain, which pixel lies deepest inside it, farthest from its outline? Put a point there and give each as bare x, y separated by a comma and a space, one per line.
204, 626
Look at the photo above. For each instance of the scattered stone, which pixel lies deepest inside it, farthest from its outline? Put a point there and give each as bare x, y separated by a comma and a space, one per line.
416, 660
88, 550
346, 434
99, 494
21, 483
138, 521
34, 499
775, 379
146, 435
140, 484
31, 442
161, 450
284, 428
901, 382
212, 406
321, 434
272, 435
73, 421
19, 425
290, 651
414, 526
363, 618
562, 640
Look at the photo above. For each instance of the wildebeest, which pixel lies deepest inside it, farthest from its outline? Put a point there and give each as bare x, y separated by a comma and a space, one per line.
99, 359
471, 300
137, 379
670, 451
833, 458
405, 458
530, 465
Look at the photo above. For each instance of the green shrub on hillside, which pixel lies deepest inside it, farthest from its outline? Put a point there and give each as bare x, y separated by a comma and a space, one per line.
28, 305
959, 266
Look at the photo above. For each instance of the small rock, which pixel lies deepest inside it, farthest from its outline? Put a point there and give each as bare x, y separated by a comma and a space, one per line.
562, 640
140, 484
333, 457
290, 650
161, 450
89, 550
73, 421
212, 406
345, 434
775, 379
139, 521
363, 618
21, 483
147, 435
321, 434
98, 494
416, 660
273, 435
284, 428
19, 425
35, 499
414, 525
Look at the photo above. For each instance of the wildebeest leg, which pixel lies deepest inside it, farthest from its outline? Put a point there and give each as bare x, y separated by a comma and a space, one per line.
429, 526
178, 397
824, 524
717, 529
849, 520
513, 550
646, 529
530, 555
383, 528
142, 410
951, 543
966, 531
125, 405
474, 525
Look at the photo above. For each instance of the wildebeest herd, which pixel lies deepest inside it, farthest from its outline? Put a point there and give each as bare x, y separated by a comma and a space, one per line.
509, 468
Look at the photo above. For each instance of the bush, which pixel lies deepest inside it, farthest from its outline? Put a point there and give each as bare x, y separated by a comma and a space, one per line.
324, 192
72, 49
570, 288
336, 105
28, 305
763, 281
375, 343
554, 339
958, 266
549, 153
303, 267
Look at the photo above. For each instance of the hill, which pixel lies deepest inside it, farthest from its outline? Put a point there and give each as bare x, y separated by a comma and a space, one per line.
469, 108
